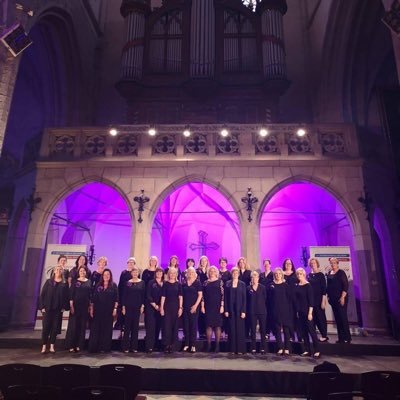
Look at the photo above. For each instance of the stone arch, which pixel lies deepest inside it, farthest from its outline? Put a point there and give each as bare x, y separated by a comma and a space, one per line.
194, 178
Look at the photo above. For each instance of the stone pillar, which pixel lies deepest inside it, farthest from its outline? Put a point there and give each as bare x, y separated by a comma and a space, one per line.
134, 13
273, 46
202, 43
250, 242
142, 241
395, 39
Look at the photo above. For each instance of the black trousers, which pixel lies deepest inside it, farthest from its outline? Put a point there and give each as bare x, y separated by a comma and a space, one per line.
190, 326
261, 318
76, 330
342, 322
131, 330
237, 337
170, 327
153, 322
278, 336
100, 338
319, 318
308, 329
202, 324
51, 322
269, 322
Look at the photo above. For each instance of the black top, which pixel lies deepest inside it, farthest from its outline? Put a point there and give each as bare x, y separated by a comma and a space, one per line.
225, 276
336, 284
153, 292
54, 296
266, 280
124, 277
74, 273
256, 300
65, 274
147, 276
235, 298
190, 293
95, 279
179, 277
171, 292
304, 298
318, 284
245, 276
134, 294
80, 293
291, 280
280, 299
202, 276
104, 299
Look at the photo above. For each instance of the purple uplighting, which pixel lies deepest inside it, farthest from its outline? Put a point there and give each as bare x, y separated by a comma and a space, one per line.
194, 220
95, 213
301, 214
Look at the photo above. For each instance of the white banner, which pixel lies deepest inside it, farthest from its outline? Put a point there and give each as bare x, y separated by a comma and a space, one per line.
342, 253
53, 251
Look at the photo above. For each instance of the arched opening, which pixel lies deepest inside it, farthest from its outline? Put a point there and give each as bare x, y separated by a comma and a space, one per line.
300, 215
95, 214
195, 220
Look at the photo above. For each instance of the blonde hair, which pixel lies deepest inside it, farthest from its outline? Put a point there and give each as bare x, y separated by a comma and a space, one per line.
131, 259
279, 271
208, 261
153, 258
193, 270
255, 273
302, 270
212, 268
170, 270
102, 258
313, 259
246, 266
235, 269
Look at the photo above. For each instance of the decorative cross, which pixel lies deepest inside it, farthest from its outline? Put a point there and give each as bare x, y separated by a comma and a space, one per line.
202, 245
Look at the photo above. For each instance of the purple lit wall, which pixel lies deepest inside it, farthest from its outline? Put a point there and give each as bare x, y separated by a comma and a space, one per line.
194, 208
301, 214
95, 213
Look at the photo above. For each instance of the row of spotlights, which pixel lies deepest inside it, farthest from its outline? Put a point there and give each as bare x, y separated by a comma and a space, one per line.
224, 132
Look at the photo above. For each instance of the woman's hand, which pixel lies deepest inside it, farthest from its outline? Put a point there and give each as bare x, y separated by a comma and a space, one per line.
203, 309
142, 309
162, 311
309, 317
123, 310
180, 310
43, 310
221, 309
243, 315
226, 314
193, 309
71, 309
114, 314
341, 301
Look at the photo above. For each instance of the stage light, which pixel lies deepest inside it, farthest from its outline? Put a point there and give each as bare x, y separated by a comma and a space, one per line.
186, 132
152, 131
301, 132
224, 132
263, 132
113, 132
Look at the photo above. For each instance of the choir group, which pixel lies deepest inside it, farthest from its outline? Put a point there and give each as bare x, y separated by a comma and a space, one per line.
208, 300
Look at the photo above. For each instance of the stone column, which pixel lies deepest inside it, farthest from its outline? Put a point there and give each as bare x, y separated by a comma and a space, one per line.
395, 39
250, 242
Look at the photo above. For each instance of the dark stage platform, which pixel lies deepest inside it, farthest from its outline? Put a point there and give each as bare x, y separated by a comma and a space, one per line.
217, 373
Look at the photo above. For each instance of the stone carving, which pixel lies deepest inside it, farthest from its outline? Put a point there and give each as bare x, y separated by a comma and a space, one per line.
95, 145
196, 144
127, 145
267, 145
227, 145
64, 145
164, 144
299, 145
332, 143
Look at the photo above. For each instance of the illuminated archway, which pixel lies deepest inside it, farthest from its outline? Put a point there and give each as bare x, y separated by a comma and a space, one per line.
196, 219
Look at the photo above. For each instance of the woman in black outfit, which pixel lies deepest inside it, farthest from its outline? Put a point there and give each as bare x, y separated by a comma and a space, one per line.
81, 261
132, 307
202, 276
96, 275
266, 279
189, 263
289, 272
174, 263
192, 294
304, 300
337, 290
52, 302
318, 283
257, 310
103, 310
148, 273
171, 309
79, 301
235, 310
152, 317
225, 276
281, 304
212, 306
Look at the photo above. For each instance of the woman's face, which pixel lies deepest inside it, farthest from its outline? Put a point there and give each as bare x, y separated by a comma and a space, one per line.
203, 262
255, 279
191, 275
314, 265
173, 261
278, 276
222, 264
235, 274
267, 265
288, 265
135, 272
106, 276
159, 274
213, 273
300, 275
82, 273
153, 262
334, 264
62, 262
101, 264
190, 263
130, 264
81, 260
241, 264
58, 272
172, 275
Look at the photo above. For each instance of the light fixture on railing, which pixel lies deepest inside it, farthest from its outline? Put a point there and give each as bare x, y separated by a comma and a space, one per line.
301, 132
186, 131
263, 132
224, 132
141, 200
152, 131
113, 132
249, 200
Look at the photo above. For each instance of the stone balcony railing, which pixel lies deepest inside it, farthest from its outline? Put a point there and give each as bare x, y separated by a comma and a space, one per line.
205, 141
